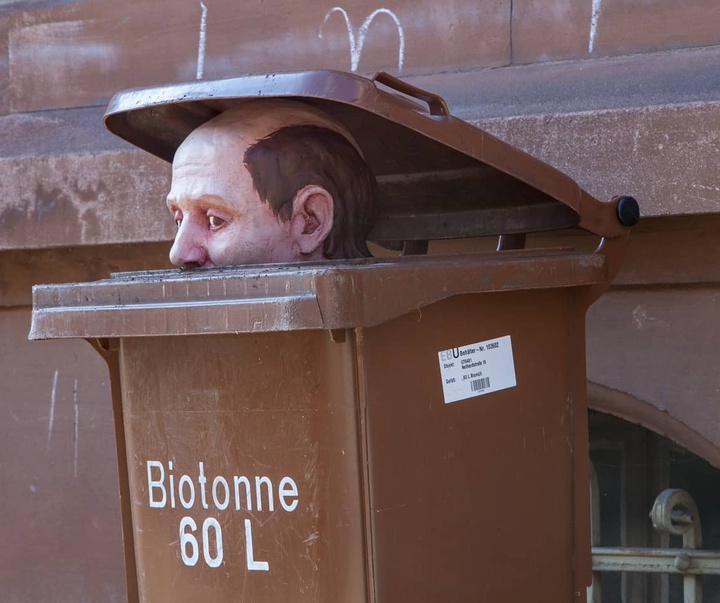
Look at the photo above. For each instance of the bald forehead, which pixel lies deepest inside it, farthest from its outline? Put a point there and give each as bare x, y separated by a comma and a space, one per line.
252, 120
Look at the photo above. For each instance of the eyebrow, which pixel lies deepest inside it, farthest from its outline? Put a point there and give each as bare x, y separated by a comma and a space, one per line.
214, 200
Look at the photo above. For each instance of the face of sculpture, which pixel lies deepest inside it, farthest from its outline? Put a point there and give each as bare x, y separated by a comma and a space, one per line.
219, 215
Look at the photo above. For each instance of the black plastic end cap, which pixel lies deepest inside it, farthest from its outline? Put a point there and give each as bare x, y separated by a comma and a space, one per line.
628, 211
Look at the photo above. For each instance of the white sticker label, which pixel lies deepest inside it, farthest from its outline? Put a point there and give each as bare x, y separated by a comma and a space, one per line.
477, 369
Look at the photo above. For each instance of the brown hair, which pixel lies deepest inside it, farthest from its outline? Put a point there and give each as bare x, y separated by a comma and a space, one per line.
293, 157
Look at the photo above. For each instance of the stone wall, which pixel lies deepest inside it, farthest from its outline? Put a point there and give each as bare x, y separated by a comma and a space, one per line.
622, 95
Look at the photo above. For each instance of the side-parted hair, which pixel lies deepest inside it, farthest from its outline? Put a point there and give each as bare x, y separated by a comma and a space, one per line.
293, 157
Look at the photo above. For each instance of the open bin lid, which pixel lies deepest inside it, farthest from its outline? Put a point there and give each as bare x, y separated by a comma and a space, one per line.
438, 176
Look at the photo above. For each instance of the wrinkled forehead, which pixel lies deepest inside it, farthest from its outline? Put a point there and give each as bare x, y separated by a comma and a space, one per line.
255, 119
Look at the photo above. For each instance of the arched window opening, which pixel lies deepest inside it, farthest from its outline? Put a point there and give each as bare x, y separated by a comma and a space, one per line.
632, 466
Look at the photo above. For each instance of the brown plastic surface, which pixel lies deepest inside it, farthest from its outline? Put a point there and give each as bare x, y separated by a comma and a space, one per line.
285, 297
327, 374
269, 406
438, 176
466, 497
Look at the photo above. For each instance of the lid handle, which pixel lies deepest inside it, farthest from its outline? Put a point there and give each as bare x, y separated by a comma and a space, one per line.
436, 103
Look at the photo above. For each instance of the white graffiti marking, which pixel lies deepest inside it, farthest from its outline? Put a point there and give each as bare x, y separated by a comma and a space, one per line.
52, 407
202, 42
593, 24
356, 44
76, 416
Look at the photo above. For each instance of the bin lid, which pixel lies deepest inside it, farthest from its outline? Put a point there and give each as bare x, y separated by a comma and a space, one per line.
289, 297
438, 176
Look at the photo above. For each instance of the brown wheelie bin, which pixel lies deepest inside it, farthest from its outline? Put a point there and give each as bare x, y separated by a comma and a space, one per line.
405, 428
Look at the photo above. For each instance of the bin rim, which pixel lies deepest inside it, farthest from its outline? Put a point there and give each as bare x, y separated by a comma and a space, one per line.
298, 296
463, 182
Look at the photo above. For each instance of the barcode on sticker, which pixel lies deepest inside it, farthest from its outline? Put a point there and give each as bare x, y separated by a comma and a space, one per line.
480, 384
477, 369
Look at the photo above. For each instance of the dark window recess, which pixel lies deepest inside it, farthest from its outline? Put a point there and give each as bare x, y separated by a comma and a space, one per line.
633, 465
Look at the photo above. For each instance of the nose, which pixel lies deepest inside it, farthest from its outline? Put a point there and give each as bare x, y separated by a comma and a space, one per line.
188, 250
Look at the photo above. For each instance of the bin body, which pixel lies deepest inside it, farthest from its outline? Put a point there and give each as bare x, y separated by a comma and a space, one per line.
290, 436
264, 408
474, 500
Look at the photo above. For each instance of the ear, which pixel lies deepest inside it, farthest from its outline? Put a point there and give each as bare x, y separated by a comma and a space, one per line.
311, 221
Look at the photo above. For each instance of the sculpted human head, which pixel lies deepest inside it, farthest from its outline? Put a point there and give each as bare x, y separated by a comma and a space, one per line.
270, 181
